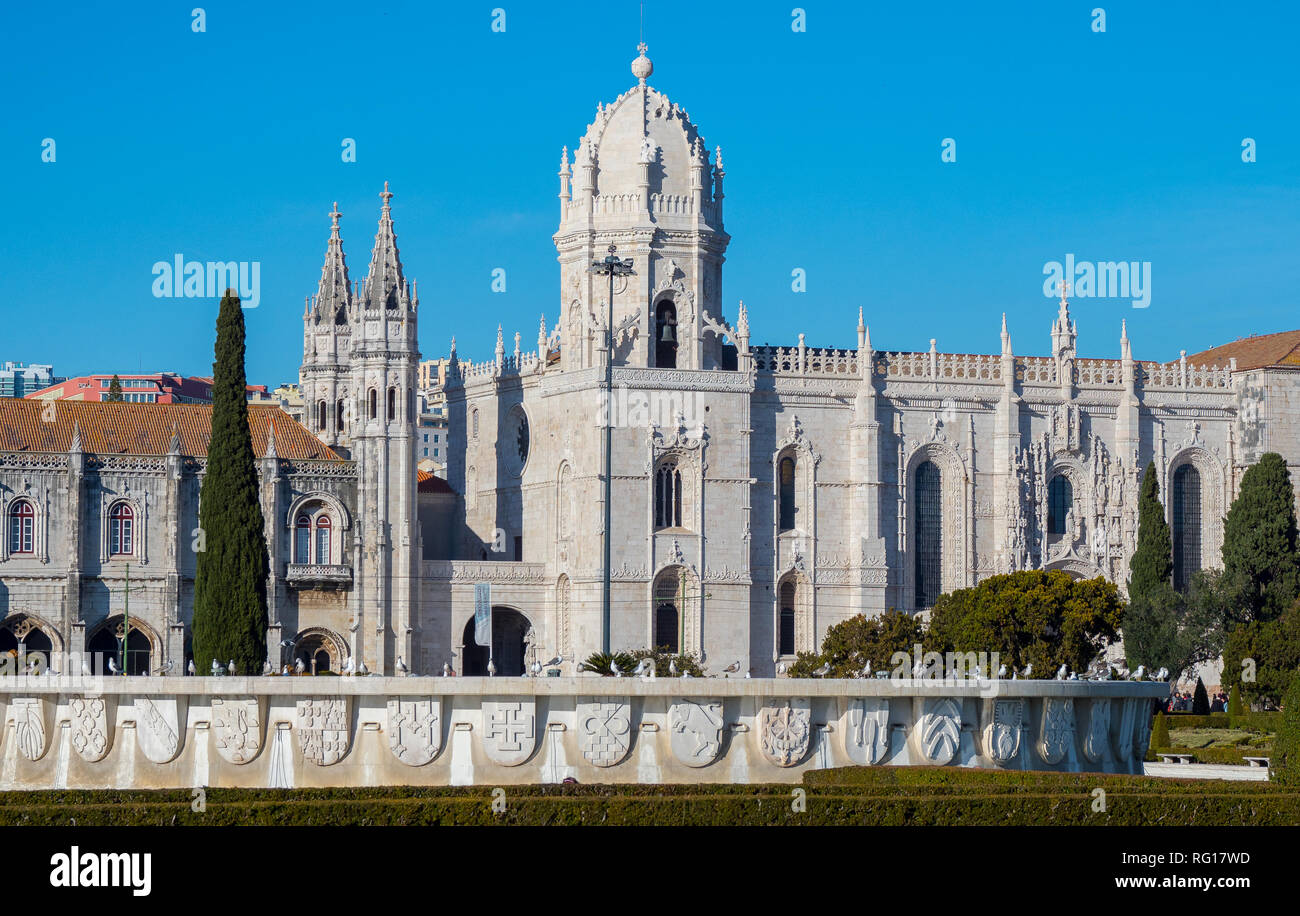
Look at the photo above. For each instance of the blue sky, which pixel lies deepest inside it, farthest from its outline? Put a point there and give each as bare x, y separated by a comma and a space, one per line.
1123, 145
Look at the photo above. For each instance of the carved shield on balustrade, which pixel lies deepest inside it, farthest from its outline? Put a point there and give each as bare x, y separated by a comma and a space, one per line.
509, 730
1096, 739
1056, 729
415, 729
323, 729
237, 728
784, 731
605, 730
30, 731
939, 729
695, 729
866, 733
159, 726
1002, 729
90, 735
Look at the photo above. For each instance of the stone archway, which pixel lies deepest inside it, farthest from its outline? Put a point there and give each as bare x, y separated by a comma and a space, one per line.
509, 652
320, 650
142, 645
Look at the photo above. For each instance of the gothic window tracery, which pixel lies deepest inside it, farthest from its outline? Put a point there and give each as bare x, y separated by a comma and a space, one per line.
668, 495
1060, 501
22, 527
121, 530
929, 534
787, 493
1186, 528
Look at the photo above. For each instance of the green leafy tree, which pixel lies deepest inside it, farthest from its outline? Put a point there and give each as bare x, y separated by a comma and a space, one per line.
230, 581
1270, 651
1166, 629
1033, 617
114, 389
1153, 561
1284, 758
1259, 543
850, 644
1200, 699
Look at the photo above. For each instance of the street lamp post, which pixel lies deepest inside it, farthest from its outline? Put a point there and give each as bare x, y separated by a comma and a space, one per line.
611, 266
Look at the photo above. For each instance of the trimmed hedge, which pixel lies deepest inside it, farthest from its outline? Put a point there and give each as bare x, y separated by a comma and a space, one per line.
1263, 721
1217, 755
847, 796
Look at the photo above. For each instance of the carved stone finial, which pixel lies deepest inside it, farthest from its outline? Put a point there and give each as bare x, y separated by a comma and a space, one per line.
642, 67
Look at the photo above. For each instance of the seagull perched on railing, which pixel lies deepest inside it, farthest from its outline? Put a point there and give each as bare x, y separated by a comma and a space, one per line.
190, 668
866, 670
165, 667
230, 666
401, 666
554, 663
267, 667
1162, 674
1029, 670
781, 669
672, 667
1062, 672
299, 666
1002, 672
112, 665
1138, 674
216, 667
824, 670
446, 670
732, 668
643, 668
614, 669
492, 668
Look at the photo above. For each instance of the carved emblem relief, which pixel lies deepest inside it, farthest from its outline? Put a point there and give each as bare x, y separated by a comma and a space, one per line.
158, 724
939, 729
605, 730
866, 732
1096, 740
1057, 729
323, 730
696, 731
1003, 721
509, 731
784, 731
415, 729
237, 728
89, 727
29, 726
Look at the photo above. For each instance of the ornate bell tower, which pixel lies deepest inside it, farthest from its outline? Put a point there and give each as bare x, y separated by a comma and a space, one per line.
326, 347
642, 180
384, 364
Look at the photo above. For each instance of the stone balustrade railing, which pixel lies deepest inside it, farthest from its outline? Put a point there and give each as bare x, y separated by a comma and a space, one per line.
287, 732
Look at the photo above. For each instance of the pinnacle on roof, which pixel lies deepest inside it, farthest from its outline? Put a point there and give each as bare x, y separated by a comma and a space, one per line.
334, 295
385, 287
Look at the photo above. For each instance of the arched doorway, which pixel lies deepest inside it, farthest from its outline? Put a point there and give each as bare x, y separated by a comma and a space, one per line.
22, 637
509, 627
320, 651
106, 643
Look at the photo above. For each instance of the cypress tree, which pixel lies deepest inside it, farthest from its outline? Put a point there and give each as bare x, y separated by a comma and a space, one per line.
1153, 561
1200, 699
230, 583
115, 389
1234, 702
1260, 564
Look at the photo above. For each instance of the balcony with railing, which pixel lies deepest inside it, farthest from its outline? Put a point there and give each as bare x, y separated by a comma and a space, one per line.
318, 575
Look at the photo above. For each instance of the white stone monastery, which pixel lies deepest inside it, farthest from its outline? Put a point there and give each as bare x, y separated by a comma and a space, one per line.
759, 494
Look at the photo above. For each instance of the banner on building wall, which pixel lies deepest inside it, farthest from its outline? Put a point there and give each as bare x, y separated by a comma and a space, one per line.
483, 613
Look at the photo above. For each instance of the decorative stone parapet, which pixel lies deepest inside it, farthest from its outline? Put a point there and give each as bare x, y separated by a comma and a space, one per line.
286, 732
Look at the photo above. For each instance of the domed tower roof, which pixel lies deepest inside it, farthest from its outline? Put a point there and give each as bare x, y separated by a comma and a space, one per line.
644, 126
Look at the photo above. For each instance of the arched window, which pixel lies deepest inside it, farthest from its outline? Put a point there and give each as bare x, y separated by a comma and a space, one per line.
562, 502
320, 416
666, 335
1187, 524
323, 528
1060, 500
338, 416
787, 493
374, 404
302, 540
121, 530
667, 619
668, 496
474, 416
22, 527
392, 404
929, 534
787, 618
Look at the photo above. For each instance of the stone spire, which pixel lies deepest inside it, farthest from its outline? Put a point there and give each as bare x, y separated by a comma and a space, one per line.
76, 437
1006, 338
541, 339
270, 439
1064, 331
334, 295
385, 287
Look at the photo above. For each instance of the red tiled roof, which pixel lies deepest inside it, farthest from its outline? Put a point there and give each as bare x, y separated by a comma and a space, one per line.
1281, 349
109, 428
428, 482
